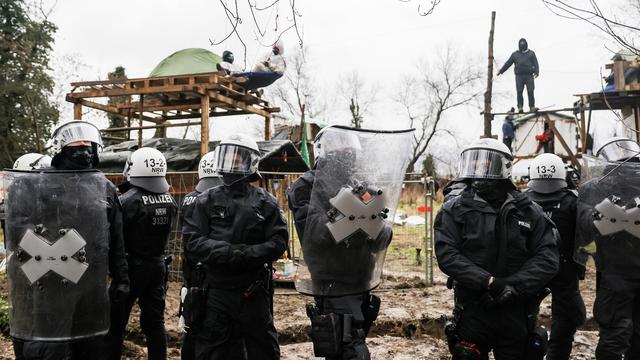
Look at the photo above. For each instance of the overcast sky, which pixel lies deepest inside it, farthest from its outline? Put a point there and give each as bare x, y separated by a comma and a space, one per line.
384, 40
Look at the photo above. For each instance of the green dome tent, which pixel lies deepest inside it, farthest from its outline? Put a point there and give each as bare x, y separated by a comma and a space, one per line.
187, 61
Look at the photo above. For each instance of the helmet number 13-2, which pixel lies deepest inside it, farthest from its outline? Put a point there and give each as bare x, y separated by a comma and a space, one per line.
153, 162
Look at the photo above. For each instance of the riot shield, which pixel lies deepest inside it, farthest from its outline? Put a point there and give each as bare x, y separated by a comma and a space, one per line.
608, 214
58, 242
357, 185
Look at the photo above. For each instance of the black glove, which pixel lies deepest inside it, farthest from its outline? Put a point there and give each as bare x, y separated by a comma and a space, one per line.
501, 292
236, 254
119, 293
487, 302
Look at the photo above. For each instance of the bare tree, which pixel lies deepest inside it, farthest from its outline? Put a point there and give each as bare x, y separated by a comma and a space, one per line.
451, 82
425, 7
296, 93
623, 27
266, 25
358, 95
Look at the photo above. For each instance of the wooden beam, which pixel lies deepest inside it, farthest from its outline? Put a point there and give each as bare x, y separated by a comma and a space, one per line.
204, 126
77, 111
130, 91
566, 147
150, 126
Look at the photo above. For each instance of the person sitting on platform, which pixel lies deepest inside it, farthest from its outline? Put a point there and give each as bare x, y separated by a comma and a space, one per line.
274, 61
545, 140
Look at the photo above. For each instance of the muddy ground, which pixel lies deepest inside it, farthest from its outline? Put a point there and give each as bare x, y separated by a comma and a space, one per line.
408, 326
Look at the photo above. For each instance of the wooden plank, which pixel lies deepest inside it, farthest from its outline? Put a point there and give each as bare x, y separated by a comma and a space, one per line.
204, 126
566, 147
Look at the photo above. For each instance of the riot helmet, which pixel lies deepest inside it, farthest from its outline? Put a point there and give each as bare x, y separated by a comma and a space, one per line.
485, 158
342, 145
32, 161
146, 169
227, 56
547, 174
237, 157
618, 149
522, 45
75, 145
207, 175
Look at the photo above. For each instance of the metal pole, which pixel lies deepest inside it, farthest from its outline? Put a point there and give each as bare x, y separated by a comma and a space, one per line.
426, 232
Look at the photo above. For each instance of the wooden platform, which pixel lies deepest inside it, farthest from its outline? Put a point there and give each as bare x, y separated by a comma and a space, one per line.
164, 101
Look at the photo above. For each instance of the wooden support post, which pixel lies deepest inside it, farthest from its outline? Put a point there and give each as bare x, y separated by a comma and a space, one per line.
204, 125
564, 144
583, 132
141, 124
77, 111
267, 128
129, 124
487, 95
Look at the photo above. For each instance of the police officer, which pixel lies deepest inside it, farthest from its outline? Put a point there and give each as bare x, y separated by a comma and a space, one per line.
343, 270
548, 188
192, 273
236, 231
74, 315
606, 215
499, 249
149, 211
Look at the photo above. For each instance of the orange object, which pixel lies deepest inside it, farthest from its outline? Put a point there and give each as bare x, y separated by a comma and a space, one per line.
421, 208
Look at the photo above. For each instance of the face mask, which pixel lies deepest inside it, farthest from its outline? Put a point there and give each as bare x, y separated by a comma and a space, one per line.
76, 158
230, 179
491, 191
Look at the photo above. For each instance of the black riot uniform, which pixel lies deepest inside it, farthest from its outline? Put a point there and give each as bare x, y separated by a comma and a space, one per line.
567, 307
147, 218
617, 305
339, 263
93, 347
236, 231
510, 240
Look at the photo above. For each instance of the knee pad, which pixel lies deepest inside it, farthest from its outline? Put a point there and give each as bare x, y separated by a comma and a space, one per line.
537, 345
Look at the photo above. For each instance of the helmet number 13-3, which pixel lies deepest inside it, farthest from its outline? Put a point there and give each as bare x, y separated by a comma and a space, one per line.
544, 169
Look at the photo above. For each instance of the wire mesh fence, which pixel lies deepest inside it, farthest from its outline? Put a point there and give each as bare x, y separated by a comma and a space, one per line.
410, 255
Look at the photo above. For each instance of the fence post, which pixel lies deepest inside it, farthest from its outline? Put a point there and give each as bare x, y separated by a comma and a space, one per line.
428, 228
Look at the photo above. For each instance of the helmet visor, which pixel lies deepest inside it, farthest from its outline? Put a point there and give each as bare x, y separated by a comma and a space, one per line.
78, 131
619, 150
484, 164
233, 159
